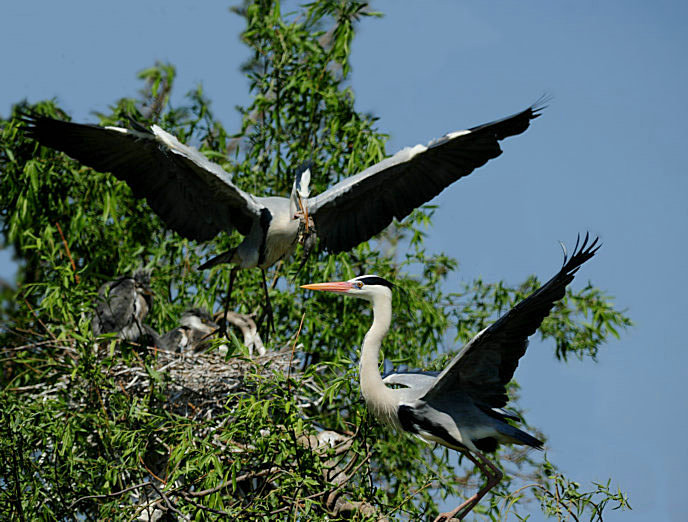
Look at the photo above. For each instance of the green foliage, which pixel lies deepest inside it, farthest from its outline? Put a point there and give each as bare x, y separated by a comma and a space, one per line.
562, 498
78, 438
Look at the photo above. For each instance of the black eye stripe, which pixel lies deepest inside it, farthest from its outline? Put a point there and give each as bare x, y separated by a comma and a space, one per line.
375, 280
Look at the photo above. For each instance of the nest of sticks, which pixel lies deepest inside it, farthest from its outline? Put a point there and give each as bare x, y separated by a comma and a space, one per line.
198, 385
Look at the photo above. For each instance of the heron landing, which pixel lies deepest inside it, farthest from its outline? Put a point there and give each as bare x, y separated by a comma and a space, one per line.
198, 199
461, 407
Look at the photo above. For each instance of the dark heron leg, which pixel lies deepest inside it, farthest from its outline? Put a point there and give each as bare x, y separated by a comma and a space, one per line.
267, 310
494, 475
223, 324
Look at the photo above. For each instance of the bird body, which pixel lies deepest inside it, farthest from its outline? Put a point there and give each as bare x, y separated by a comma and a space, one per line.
122, 305
451, 419
176, 340
195, 328
461, 407
281, 233
198, 199
200, 327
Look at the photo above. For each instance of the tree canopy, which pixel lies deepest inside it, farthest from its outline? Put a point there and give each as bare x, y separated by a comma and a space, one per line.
101, 428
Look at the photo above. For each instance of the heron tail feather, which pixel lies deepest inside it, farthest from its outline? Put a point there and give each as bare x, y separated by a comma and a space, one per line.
518, 436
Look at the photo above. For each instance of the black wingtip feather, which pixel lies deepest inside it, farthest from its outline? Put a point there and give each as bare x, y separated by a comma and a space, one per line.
46, 130
581, 253
514, 124
540, 105
30, 120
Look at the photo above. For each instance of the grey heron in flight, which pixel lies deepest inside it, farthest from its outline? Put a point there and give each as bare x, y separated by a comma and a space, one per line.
197, 198
122, 305
461, 407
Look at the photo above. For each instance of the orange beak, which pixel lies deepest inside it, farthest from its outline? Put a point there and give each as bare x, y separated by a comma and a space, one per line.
339, 287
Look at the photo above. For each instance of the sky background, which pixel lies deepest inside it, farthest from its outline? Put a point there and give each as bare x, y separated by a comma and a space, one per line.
604, 157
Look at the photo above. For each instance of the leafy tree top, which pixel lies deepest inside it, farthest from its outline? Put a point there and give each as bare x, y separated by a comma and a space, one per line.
79, 437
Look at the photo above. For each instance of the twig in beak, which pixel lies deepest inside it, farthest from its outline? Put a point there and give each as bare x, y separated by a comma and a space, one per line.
304, 211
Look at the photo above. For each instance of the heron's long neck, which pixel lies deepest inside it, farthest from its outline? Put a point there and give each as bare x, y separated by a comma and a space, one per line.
379, 398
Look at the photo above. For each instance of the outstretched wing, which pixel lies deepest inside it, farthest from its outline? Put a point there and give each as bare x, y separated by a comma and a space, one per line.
194, 196
357, 208
487, 363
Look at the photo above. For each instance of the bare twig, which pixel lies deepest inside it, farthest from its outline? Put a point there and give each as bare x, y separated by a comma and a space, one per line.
39, 319
343, 483
191, 501
26, 388
515, 493
54, 342
123, 390
109, 495
276, 277
411, 495
69, 254
163, 481
240, 478
168, 502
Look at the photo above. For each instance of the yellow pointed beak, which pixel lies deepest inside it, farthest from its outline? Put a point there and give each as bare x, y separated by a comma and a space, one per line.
339, 286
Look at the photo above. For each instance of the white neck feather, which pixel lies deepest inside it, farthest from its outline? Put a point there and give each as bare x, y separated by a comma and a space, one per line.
380, 399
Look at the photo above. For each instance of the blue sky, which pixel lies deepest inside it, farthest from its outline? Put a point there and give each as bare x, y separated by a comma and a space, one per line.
605, 157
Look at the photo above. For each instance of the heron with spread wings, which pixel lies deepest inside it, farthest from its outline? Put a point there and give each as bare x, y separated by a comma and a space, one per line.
198, 199
460, 407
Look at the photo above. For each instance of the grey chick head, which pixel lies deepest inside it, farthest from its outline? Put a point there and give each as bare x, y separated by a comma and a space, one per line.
200, 327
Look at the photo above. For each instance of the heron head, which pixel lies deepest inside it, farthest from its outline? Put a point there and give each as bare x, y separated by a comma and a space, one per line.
367, 287
142, 279
302, 181
142, 276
